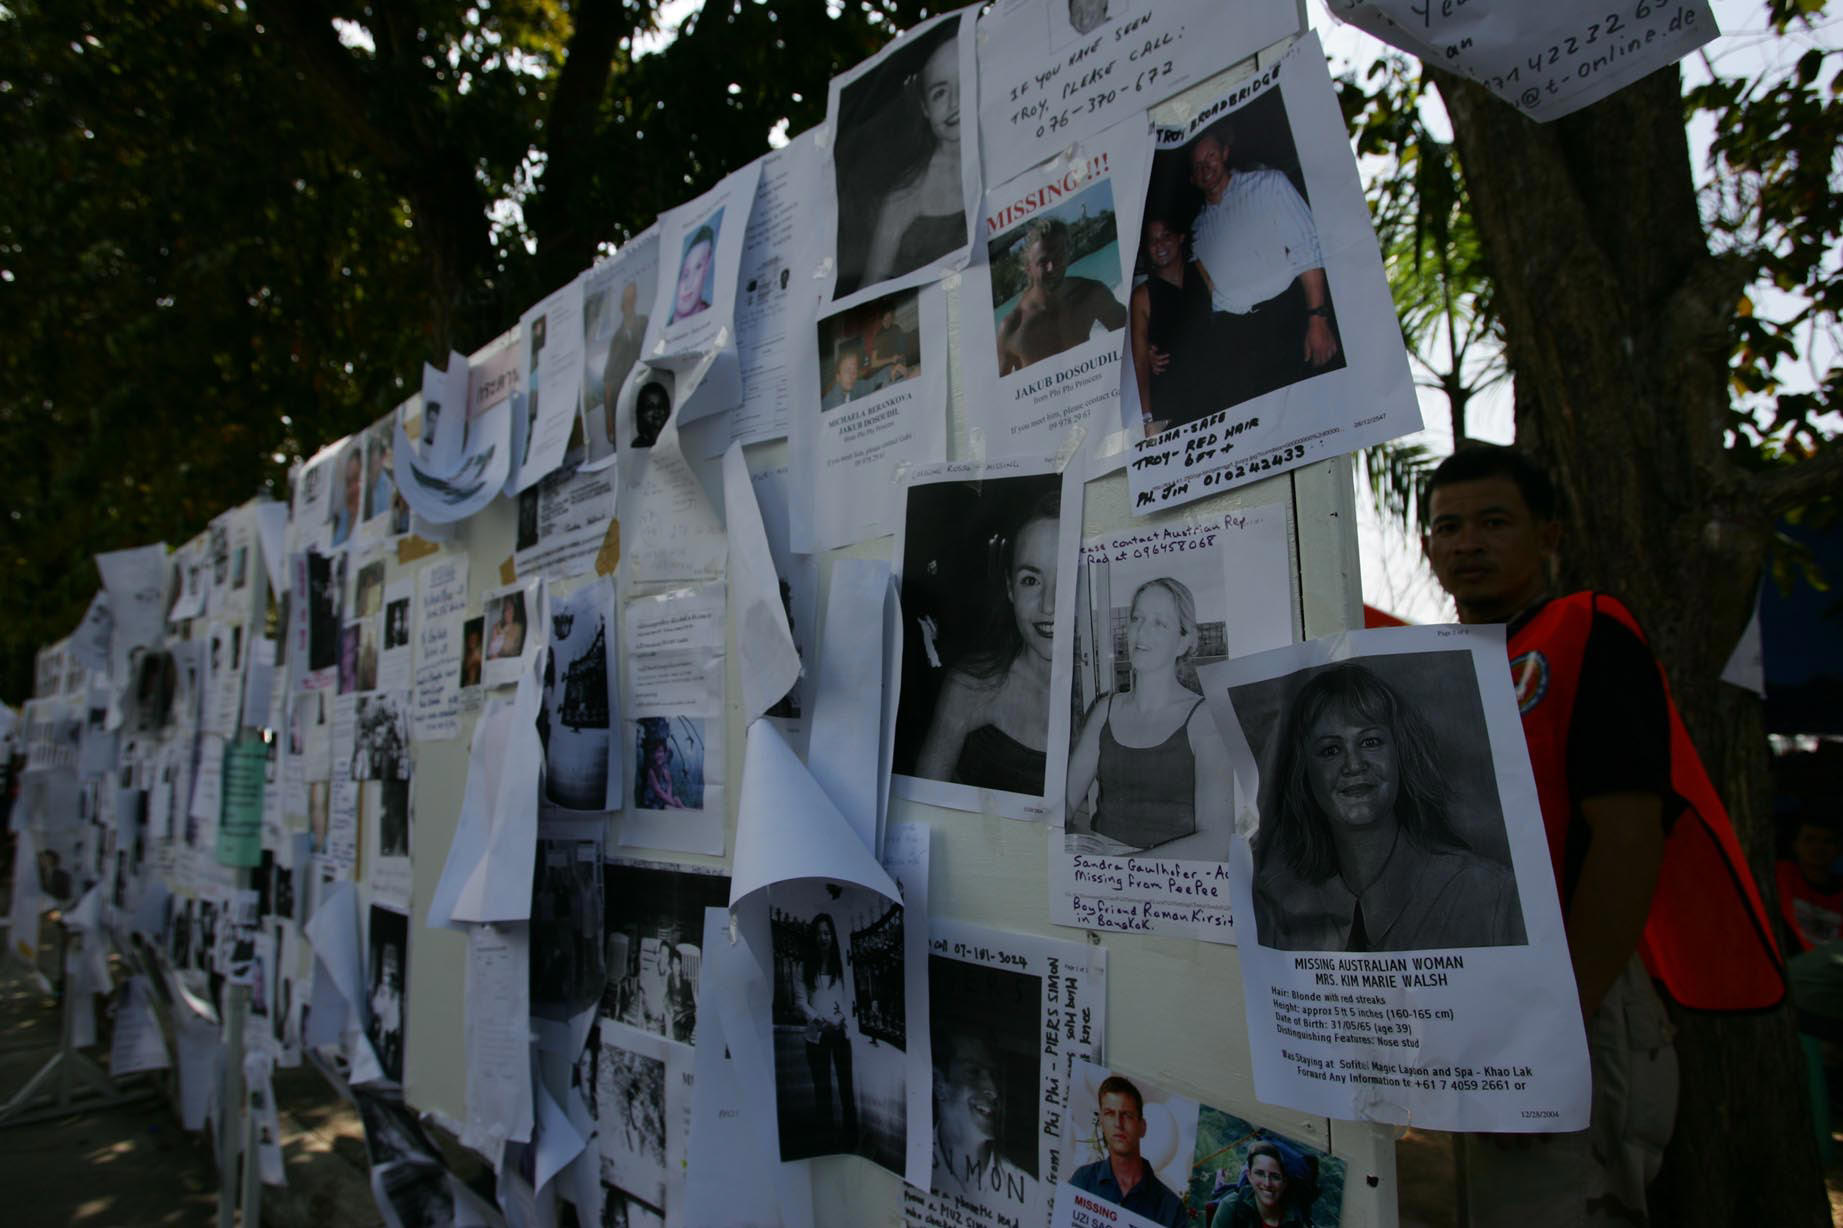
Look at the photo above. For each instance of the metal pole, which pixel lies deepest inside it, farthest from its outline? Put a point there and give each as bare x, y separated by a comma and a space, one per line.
252, 1160
232, 1107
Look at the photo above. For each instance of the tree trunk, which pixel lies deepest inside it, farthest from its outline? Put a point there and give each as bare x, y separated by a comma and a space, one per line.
1616, 320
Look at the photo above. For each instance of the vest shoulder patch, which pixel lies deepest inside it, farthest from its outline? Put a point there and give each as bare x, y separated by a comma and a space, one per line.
1529, 674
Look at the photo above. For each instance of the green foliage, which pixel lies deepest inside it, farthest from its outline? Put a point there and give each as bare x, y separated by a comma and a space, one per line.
230, 232
1774, 200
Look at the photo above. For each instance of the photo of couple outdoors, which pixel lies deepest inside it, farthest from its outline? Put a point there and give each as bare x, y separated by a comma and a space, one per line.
1232, 300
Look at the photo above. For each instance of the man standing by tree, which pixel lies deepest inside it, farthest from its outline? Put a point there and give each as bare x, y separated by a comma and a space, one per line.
1651, 879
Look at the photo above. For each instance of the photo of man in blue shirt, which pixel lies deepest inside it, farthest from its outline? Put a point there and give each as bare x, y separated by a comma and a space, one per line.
1122, 1176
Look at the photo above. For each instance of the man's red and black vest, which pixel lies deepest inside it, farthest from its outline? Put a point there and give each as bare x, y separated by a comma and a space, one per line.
1707, 940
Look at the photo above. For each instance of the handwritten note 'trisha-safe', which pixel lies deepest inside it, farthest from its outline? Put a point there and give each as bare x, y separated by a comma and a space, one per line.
1546, 60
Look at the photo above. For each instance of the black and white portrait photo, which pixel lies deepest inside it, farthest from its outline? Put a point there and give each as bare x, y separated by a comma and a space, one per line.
652, 404
393, 811
1146, 768
1232, 300
979, 569
654, 924
985, 1029
900, 172
1381, 827
388, 972
397, 624
382, 747
840, 1030
575, 716
568, 964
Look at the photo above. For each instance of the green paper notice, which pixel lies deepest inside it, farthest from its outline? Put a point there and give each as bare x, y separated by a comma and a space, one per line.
246, 764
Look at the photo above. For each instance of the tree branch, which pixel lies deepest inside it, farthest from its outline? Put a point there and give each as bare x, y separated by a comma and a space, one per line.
1801, 483
565, 231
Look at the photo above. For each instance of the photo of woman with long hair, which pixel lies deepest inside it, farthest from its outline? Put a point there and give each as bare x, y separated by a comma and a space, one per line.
1357, 848
822, 995
1152, 748
991, 719
901, 192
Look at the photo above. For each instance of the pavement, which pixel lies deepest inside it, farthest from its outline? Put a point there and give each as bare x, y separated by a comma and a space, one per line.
132, 1165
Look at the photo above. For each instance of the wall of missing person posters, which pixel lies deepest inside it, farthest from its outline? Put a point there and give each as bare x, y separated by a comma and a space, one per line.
832, 718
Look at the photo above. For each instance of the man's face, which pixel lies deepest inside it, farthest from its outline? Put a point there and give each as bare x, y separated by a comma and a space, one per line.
691, 279
1208, 166
966, 1089
1044, 262
1487, 548
629, 297
1122, 1124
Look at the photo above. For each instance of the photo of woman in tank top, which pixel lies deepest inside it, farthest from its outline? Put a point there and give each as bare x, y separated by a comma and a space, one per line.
1151, 747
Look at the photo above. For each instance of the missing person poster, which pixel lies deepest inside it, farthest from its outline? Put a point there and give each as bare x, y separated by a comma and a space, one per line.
617, 297
1045, 358
904, 184
987, 556
386, 516
1270, 339
441, 601
843, 1042
512, 629
872, 398
563, 521
1148, 806
1406, 959
1137, 1154
1008, 1016
673, 721
551, 334
777, 258
1052, 72
693, 329
486, 458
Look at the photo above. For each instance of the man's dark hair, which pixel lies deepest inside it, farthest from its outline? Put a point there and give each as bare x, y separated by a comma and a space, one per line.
1479, 461
1120, 1085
